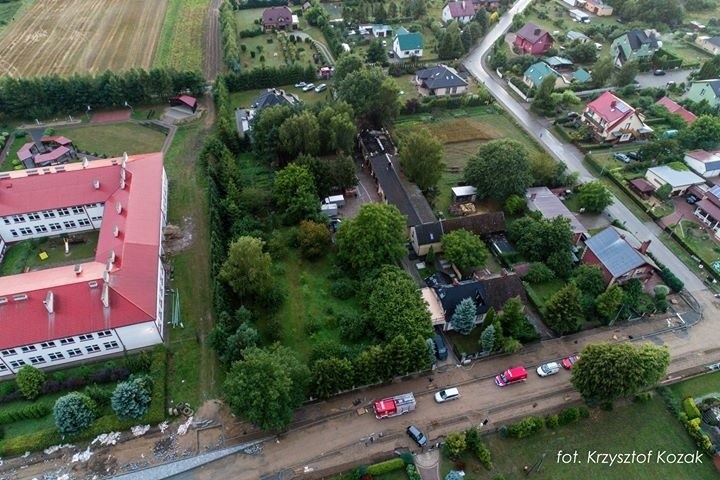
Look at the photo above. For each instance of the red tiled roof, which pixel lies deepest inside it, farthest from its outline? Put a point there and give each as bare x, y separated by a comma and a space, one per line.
686, 115
610, 108
702, 155
187, 100
461, 9
51, 156
277, 16
24, 152
531, 32
60, 140
134, 275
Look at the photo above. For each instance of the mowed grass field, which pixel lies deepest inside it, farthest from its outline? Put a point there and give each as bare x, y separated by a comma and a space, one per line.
181, 39
80, 36
113, 140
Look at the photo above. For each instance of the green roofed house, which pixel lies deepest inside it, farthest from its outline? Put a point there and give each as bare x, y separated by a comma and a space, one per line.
407, 44
705, 90
537, 72
581, 76
559, 63
634, 45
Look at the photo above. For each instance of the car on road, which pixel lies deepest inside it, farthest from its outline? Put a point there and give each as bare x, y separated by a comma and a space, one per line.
568, 362
633, 155
692, 199
320, 88
547, 369
300, 84
659, 72
511, 375
447, 395
622, 157
308, 87
417, 435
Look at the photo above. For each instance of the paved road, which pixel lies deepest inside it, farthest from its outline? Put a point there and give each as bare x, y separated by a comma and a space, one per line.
569, 154
647, 79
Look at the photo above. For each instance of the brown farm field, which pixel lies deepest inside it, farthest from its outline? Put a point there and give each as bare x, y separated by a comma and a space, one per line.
78, 36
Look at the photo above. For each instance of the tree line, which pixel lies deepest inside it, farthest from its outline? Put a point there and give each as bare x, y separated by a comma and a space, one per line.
41, 97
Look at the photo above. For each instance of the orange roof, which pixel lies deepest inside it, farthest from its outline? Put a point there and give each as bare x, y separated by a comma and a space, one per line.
677, 109
133, 278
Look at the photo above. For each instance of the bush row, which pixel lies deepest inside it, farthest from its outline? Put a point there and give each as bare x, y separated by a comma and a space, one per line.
36, 410
386, 467
530, 425
690, 409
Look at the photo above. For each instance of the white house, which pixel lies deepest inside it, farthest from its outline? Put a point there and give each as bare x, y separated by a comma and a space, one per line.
704, 163
460, 11
679, 180
408, 44
110, 304
611, 119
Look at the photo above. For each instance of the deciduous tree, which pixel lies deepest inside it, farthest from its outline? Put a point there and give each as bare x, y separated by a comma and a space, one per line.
626, 74
421, 158
594, 196
295, 193
608, 303
563, 312
29, 381
608, 371
501, 168
375, 98
376, 52
330, 376
589, 279
267, 386
347, 63
247, 268
464, 249
313, 239
300, 134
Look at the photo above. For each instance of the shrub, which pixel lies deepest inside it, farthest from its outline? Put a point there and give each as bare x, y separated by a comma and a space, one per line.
131, 399
539, 273
642, 397
410, 469
672, 281
29, 381
552, 421
455, 444
671, 401
525, 427
314, 239
690, 409
386, 466
101, 396
343, 288
353, 326
27, 412
73, 413
138, 363
483, 455
584, 412
568, 415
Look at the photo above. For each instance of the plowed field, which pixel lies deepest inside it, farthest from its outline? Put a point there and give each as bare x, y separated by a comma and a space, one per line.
68, 36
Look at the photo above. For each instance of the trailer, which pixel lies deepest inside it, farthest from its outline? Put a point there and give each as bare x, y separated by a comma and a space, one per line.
394, 406
338, 200
579, 16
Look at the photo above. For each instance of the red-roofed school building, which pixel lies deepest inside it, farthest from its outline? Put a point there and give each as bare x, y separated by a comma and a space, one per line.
112, 304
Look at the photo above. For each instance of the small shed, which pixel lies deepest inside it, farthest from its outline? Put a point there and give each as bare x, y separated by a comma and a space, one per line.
464, 194
338, 200
184, 101
642, 186
329, 209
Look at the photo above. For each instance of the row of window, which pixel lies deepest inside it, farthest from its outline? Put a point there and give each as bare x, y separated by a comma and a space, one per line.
54, 356
25, 231
51, 344
34, 216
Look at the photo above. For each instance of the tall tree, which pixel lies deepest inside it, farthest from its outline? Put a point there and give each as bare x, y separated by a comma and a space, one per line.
376, 52
375, 98
703, 133
267, 386
295, 193
266, 130
450, 45
395, 305
602, 70
375, 237
247, 268
563, 312
627, 73
483, 19
512, 317
501, 168
300, 134
609, 302
589, 279
487, 339
710, 69
543, 102
608, 371
543, 240
331, 375
594, 196
421, 158
313, 239
463, 320
338, 129
347, 63
464, 249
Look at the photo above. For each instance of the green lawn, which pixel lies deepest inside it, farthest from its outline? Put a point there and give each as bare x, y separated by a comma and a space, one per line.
7, 164
194, 374
308, 299
636, 427
11, 10
682, 254
245, 98
114, 139
697, 387
466, 343
700, 240
542, 292
24, 254
664, 209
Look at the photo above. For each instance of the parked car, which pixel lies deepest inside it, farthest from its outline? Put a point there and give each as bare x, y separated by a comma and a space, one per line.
622, 157
692, 199
440, 348
447, 395
308, 87
659, 72
572, 115
547, 369
511, 375
320, 88
417, 435
568, 362
300, 84
633, 155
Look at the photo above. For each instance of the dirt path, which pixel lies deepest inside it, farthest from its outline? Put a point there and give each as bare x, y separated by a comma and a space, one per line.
213, 50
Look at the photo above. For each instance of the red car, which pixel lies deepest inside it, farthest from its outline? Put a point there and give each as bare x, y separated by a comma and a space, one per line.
568, 362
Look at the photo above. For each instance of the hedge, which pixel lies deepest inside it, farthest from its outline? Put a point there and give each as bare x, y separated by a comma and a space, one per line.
525, 427
158, 373
691, 410
386, 466
35, 410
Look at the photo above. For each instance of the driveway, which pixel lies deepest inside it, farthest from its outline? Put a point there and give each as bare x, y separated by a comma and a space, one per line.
644, 229
647, 79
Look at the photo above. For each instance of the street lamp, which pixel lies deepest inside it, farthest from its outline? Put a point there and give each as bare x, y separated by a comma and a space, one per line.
129, 106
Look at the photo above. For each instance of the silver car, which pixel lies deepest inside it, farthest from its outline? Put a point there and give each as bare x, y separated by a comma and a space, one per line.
547, 369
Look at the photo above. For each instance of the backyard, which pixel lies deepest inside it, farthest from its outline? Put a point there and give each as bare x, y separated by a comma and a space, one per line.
112, 140
245, 98
701, 240
462, 131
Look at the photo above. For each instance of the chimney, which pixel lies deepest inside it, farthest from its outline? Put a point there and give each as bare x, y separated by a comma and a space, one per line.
49, 302
644, 246
463, 5
537, 32
77, 269
613, 104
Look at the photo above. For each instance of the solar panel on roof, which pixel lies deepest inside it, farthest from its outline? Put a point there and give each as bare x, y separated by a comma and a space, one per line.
622, 107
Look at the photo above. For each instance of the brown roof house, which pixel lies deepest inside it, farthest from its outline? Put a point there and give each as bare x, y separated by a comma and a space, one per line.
427, 235
278, 18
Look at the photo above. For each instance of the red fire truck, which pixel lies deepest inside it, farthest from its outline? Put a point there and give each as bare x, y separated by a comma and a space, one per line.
393, 406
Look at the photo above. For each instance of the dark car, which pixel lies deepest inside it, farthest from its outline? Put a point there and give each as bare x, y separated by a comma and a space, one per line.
417, 436
633, 155
659, 72
691, 199
440, 348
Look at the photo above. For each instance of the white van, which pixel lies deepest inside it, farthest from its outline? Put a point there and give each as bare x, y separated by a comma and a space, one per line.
447, 395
